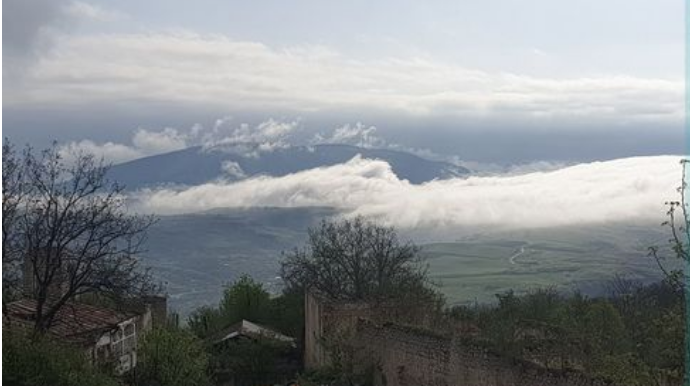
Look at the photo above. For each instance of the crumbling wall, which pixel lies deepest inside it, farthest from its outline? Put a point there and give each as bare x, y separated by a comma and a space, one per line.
405, 357
328, 321
415, 354
314, 354
324, 319
415, 357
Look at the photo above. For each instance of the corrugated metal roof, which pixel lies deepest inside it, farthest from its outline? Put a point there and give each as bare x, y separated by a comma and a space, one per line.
249, 329
74, 321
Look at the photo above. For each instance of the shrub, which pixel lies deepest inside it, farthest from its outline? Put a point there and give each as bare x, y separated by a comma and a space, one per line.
42, 361
172, 357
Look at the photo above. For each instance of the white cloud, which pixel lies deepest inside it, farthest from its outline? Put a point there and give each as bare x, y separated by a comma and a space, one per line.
109, 151
233, 170
242, 139
361, 135
214, 70
357, 135
144, 143
156, 142
264, 137
621, 190
86, 11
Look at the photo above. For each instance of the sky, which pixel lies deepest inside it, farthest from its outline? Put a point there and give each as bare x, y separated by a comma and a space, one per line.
566, 112
495, 81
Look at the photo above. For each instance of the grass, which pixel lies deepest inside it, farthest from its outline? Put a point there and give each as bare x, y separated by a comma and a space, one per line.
196, 255
568, 259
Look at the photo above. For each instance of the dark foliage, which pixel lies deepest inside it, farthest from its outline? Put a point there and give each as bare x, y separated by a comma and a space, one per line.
355, 260
634, 338
40, 361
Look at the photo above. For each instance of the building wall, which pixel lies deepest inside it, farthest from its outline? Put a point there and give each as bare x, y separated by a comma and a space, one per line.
314, 355
154, 311
416, 356
36, 262
159, 309
326, 319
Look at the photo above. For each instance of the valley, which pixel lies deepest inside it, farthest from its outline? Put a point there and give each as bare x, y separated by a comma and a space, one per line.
195, 255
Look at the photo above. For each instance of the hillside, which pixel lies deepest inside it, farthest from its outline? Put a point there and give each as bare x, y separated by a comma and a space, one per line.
197, 165
196, 254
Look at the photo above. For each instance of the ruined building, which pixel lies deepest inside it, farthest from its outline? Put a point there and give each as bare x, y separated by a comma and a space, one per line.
414, 354
106, 333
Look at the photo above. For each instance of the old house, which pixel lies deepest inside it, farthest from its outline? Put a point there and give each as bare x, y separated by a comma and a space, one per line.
105, 334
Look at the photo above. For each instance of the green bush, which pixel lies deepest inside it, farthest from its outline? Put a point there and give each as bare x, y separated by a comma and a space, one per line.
248, 299
244, 299
632, 338
172, 357
41, 361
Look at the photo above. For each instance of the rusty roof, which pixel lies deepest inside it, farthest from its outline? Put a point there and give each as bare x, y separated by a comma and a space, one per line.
74, 321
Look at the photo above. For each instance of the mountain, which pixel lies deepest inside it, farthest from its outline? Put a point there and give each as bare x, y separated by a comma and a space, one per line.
197, 165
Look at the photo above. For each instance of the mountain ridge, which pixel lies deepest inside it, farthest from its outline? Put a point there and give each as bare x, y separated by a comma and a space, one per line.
197, 165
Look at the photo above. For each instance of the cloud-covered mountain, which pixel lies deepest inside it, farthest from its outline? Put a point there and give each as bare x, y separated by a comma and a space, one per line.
198, 165
624, 190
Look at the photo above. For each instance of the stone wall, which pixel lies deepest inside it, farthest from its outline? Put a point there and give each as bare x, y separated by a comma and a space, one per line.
314, 354
415, 357
326, 318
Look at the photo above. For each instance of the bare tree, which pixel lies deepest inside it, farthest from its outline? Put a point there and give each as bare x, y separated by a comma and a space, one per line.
70, 230
12, 194
678, 224
354, 260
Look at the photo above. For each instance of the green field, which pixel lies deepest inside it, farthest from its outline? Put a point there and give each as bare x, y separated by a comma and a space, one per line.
477, 268
196, 255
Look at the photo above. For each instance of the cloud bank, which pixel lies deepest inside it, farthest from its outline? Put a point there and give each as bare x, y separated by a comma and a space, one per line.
85, 11
216, 70
252, 140
31, 29
243, 139
26, 22
144, 143
628, 189
223, 135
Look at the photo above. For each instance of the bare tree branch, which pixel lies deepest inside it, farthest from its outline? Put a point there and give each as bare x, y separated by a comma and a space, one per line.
679, 242
12, 195
355, 260
69, 228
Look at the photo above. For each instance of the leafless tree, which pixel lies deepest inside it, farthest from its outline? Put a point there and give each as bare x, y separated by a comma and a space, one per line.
12, 194
70, 231
354, 260
678, 224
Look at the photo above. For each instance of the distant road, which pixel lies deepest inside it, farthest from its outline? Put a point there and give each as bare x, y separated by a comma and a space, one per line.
516, 254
